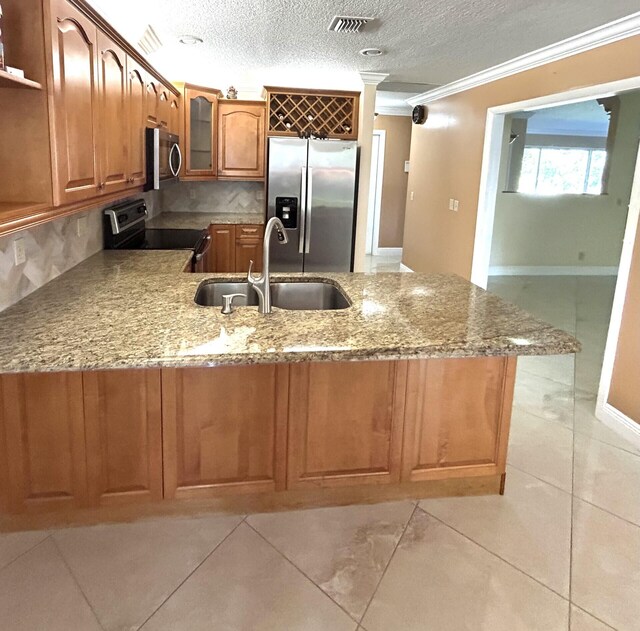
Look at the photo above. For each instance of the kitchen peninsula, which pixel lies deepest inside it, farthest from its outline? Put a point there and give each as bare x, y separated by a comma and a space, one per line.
116, 389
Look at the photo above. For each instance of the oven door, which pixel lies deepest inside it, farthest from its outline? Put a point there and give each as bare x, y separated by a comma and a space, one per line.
164, 158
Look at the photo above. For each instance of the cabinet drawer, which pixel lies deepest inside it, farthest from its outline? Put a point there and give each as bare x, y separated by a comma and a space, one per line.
249, 232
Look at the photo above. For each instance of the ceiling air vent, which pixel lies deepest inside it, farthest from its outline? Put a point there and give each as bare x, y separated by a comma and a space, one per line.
348, 24
149, 42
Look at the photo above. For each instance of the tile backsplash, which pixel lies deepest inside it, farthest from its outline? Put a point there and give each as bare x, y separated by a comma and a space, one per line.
244, 197
52, 249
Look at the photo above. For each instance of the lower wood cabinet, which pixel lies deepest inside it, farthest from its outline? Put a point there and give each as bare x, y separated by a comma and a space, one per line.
224, 429
345, 423
42, 450
457, 417
234, 246
71, 440
123, 421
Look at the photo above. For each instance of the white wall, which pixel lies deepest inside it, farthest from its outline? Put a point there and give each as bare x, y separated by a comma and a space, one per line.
533, 231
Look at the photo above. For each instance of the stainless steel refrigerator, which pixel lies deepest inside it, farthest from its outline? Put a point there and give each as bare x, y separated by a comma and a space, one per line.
312, 188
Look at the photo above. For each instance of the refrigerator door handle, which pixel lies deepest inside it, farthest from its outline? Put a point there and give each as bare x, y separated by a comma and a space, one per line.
307, 241
303, 208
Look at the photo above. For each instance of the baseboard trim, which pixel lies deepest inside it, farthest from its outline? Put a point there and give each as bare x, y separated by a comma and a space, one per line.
387, 252
614, 418
405, 268
553, 270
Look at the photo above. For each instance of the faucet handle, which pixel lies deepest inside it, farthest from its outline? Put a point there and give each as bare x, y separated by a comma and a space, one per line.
227, 302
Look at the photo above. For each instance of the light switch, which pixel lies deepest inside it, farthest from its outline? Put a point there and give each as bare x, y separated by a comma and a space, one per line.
451, 204
455, 205
411, 196
19, 252
406, 166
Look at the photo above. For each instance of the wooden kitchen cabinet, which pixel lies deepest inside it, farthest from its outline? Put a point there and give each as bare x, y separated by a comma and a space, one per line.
222, 252
153, 103
224, 430
241, 139
75, 104
113, 136
137, 123
123, 428
164, 109
200, 120
174, 116
42, 449
345, 423
457, 417
247, 251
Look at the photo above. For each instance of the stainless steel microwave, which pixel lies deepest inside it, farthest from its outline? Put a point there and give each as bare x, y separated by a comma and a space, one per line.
164, 159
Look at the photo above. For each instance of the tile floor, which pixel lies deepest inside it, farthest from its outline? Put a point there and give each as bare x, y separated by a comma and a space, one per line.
560, 551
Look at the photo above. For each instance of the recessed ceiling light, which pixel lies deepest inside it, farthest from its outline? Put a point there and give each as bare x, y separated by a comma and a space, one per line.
371, 52
190, 40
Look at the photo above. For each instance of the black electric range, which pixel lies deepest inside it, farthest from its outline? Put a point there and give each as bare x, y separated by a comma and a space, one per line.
125, 229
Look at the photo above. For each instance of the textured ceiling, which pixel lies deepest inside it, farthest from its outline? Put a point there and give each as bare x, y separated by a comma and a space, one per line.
580, 119
255, 42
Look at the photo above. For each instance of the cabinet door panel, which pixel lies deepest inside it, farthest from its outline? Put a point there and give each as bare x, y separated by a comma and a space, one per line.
113, 115
75, 105
248, 250
124, 435
41, 417
345, 423
164, 109
136, 119
457, 417
241, 140
224, 429
222, 252
153, 101
201, 109
174, 117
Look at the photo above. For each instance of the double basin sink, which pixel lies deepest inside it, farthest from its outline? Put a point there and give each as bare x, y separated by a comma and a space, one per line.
293, 295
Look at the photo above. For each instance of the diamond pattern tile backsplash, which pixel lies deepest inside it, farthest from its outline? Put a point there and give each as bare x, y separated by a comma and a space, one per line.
52, 249
213, 197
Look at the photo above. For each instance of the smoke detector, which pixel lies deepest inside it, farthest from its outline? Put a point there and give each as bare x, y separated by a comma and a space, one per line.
348, 24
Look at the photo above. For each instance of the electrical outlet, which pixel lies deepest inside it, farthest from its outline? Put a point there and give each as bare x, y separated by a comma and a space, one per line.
19, 252
455, 205
81, 226
411, 196
192, 193
451, 204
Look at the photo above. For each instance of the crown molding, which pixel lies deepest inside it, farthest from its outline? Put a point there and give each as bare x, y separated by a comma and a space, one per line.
393, 110
599, 36
373, 78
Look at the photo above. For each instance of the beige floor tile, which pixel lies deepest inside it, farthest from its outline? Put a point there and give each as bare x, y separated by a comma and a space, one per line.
530, 526
439, 580
581, 621
555, 367
545, 398
13, 544
350, 546
607, 477
586, 423
37, 593
606, 566
542, 448
247, 586
128, 570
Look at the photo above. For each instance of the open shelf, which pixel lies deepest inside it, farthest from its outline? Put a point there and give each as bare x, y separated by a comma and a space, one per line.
11, 81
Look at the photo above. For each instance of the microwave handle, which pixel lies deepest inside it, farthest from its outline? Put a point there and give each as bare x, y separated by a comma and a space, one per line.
177, 171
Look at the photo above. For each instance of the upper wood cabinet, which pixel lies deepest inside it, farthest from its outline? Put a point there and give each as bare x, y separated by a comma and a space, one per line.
137, 122
200, 121
175, 126
164, 109
74, 110
153, 102
113, 136
241, 139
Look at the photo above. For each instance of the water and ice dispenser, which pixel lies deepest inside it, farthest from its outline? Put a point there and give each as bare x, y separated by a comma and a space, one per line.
287, 211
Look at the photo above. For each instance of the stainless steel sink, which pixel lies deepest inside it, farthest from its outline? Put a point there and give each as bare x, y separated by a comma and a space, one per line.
291, 295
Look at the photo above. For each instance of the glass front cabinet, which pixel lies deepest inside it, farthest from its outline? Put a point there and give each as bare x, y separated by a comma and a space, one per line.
201, 109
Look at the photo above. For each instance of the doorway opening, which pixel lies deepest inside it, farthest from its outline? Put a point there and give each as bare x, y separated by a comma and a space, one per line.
556, 222
375, 191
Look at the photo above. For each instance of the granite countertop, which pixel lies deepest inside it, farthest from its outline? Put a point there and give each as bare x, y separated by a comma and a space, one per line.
198, 220
135, 309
